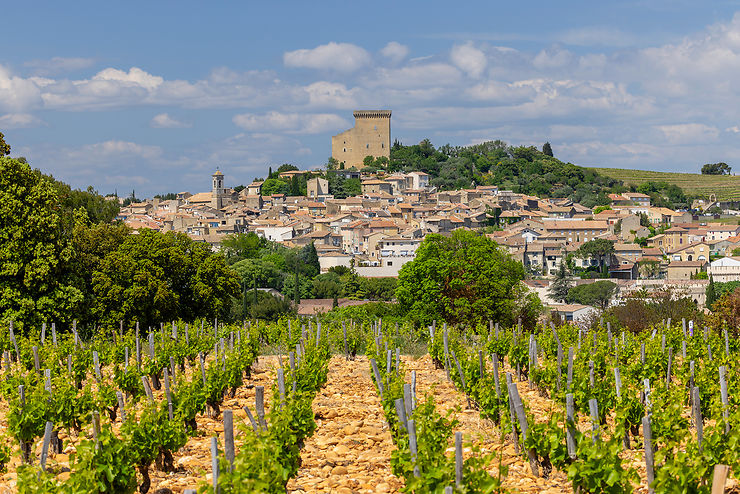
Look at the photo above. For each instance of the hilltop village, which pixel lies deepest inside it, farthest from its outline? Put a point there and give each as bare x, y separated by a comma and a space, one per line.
379, 225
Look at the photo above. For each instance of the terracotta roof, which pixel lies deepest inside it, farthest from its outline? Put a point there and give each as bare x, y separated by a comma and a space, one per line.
687, 264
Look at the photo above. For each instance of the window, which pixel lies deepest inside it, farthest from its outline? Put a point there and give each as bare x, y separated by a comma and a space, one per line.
367, 146
382, 145
390, 263
344, 150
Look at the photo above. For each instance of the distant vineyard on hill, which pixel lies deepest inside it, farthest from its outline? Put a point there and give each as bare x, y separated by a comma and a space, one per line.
693, 184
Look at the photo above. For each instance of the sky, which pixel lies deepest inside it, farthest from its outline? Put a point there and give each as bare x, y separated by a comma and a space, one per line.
154, 96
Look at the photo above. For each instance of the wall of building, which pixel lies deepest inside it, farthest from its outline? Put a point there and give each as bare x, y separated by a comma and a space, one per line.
371, 136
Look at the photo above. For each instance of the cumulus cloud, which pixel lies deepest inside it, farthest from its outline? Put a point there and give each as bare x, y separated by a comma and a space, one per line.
17, 93
20, 121
612, 107
689, 133
297, 123
469, 59
58, 65
119, 148
341, 57
165, 121
395, 51
134, 77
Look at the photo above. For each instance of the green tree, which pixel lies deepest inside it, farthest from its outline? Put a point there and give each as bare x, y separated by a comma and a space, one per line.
598, 293
274, 186
240, 246
154, 277
265, 272
464, 278
711, 293
327, 285
561, 285
310, 259
644, 220
352, 187
332, 164
4, 146
34, 249
547, 149
286, 167
599, 248
716, 169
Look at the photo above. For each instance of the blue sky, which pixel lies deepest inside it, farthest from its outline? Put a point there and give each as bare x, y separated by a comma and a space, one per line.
153, 96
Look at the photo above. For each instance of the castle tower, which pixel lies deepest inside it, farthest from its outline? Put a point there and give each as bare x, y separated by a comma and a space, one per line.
217, 190
371, 136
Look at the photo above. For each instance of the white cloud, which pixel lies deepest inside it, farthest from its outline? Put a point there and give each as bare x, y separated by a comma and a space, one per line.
417, 76
469, 59
597, 36
295, 123
331, 94
553, 58
690, 133
16, 93
165, 121
341, 57
135, 77
58, 65
20, 121
734, 129
395, 51
114, 147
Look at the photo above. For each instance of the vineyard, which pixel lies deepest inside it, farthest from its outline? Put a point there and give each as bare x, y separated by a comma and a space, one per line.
321, 405
726, 187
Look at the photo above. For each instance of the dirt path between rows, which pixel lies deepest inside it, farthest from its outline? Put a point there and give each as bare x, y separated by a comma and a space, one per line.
485, 433
351, 448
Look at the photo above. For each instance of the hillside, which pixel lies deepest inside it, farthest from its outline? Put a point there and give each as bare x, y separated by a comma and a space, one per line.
693, 184
521, 169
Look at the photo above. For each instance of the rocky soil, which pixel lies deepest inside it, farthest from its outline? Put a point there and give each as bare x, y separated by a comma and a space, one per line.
351, 448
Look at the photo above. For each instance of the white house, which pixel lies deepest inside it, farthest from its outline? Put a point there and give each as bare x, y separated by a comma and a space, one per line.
276, 233
725, 269
419, 180
573, 312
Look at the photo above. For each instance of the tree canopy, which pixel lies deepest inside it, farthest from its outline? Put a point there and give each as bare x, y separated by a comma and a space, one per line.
34, 250
464, 278
4, 146
521, 169
62, 259
598, 248
716, 169
598, 293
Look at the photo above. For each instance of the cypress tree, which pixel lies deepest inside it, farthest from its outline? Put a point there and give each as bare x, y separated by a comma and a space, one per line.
547, 149
711, 293
561, 285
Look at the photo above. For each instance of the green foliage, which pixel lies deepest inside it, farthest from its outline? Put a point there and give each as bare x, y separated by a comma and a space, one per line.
599, 469
4, 146
462, 278
547, 149
99, 209
34, 250
521, 169
241, 246
561, 285
598, 293
155, 277
102, 467
716, 169
275, 186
